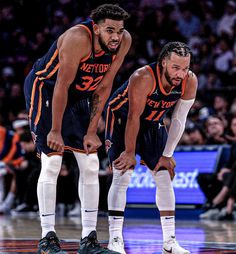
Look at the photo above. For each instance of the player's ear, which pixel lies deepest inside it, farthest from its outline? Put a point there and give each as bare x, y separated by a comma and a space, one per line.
96, 29
163, 63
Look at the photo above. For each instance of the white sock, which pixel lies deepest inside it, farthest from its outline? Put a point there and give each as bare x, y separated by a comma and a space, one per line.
89, 221
168, 227
115, 226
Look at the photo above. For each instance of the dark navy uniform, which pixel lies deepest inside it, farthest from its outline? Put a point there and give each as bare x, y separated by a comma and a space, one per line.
152, 136
38, 89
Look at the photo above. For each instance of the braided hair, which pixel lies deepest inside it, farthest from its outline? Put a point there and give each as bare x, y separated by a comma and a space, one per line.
179, 48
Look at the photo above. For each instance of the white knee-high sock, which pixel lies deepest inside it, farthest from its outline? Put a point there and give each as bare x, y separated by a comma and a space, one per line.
88, 190
46, 191
117, 202
168, 227
165, 200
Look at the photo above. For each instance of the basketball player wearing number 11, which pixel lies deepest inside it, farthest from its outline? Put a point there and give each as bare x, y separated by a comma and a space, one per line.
134, 124
65, 93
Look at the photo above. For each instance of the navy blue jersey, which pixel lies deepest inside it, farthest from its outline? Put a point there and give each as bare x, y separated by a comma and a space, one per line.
90, 72
158, 103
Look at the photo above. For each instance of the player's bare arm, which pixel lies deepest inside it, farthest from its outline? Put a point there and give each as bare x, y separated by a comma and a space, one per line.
101, 94
177, 126
140, 85
70, 54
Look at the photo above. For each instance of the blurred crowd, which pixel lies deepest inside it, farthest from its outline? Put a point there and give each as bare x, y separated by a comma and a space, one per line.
207, 26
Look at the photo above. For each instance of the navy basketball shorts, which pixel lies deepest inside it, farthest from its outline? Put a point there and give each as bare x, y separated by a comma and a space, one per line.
75, 122
150, 143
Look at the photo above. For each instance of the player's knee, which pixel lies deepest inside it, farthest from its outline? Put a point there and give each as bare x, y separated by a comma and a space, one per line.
89, 167
121, 180
50, 169
165, 197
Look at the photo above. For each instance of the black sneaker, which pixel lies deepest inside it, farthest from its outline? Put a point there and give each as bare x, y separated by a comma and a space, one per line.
50, 244
90, 245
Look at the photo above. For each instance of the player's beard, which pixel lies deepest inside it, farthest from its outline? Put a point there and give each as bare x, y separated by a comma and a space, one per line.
105, 48
169, 80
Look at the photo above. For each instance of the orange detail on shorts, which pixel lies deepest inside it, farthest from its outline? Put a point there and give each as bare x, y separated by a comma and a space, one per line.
49, 63
39, 104
119, 95
76, 149
154, 80
54, 153
120, 104
32, 97
51, 73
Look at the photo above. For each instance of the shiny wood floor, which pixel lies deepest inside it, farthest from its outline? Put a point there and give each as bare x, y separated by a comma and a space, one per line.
21, 234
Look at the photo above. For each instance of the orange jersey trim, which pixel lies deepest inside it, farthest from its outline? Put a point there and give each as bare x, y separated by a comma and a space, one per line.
154, 80
100, 53
49, 63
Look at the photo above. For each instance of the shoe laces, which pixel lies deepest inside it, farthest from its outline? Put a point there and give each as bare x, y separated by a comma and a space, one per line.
94, 242
54, 243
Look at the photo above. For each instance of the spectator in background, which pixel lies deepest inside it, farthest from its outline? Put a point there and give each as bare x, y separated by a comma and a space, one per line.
226, 22
223, 60
11, 157
27, 175
231, 135
188, 23
196, 135
215, 131
218, 187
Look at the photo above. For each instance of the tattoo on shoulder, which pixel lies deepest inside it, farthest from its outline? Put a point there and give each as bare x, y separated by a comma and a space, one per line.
94, 105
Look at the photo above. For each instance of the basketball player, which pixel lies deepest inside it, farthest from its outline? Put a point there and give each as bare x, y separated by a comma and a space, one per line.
134, 124
58, 91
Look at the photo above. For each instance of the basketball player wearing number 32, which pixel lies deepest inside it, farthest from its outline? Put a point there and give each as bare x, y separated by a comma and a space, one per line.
65, 93
134, 124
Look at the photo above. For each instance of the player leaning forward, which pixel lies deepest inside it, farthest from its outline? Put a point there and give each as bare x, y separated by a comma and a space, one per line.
134, 125
79, 68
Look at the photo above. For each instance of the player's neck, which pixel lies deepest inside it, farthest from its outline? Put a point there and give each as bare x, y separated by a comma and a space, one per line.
165, 84
97, 46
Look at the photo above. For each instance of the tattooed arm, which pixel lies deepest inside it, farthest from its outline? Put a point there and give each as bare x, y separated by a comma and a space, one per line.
101, 94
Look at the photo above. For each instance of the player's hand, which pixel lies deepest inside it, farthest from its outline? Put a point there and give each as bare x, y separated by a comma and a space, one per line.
167, 163
125, 162
91, 142
55, 141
